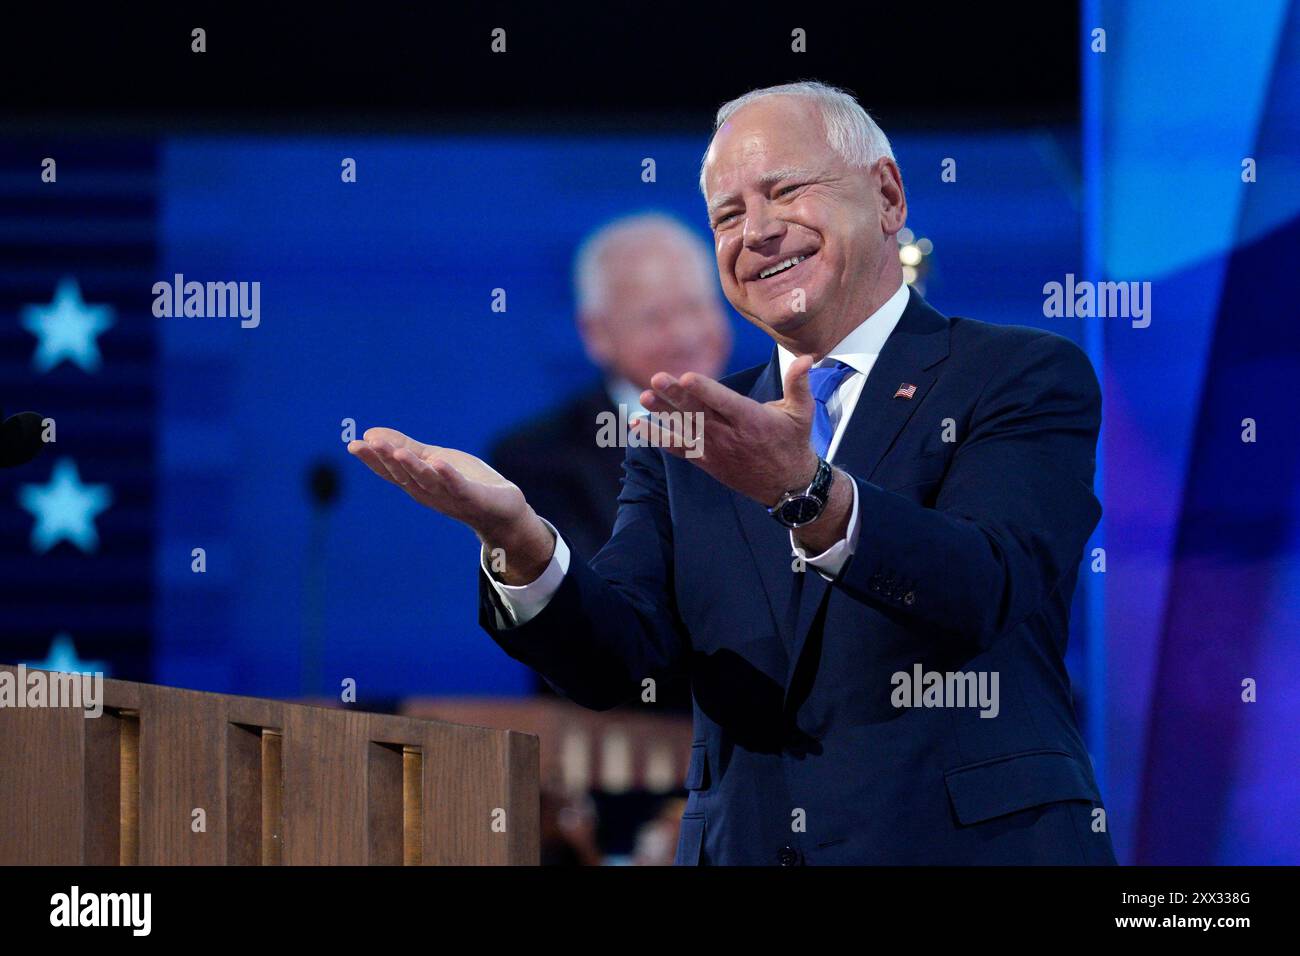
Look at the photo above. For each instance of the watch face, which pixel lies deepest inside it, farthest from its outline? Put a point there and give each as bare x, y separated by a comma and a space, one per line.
800, 510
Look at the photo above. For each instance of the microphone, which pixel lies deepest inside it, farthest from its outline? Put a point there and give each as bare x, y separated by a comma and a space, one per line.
323, 489
20, 439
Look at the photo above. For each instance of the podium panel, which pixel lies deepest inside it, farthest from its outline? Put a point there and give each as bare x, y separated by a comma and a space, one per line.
169, 776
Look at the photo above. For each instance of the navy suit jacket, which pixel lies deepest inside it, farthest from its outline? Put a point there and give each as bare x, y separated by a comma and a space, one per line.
976, 502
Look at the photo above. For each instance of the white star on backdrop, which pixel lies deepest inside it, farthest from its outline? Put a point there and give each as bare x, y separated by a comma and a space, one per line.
65, 509
67, 328
63, 657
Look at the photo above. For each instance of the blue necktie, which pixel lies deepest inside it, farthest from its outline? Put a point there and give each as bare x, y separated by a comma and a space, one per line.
823, 382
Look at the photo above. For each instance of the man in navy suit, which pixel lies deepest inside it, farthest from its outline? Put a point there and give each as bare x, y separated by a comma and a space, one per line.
864, 558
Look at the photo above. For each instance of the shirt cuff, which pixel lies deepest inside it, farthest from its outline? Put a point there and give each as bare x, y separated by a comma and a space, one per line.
516, 605
831, 561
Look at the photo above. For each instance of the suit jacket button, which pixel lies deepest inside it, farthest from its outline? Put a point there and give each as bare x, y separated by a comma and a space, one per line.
909, 598
788, 856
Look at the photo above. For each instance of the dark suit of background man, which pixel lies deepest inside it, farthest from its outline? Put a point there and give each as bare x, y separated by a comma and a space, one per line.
924, 554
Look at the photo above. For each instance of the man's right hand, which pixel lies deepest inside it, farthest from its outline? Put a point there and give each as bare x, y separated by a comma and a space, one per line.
462, 487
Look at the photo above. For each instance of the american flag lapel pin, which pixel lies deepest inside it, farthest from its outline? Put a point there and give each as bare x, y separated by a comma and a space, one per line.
905, 390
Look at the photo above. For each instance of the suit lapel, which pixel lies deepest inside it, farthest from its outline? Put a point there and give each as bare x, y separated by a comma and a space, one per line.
769, 543
598, 470
918, 343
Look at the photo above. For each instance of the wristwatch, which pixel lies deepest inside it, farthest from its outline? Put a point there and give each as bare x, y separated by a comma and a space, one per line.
798, 508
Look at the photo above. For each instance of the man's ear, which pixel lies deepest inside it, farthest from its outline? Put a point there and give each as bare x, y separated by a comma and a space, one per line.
594, 332
893, 201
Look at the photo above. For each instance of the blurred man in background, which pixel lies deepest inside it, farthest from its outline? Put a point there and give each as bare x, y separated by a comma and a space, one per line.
647, 300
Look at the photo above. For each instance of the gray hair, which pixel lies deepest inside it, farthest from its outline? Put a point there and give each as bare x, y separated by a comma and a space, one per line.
850, 130
590, 264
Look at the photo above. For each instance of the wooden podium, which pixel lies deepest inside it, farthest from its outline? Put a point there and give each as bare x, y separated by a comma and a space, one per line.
167, 776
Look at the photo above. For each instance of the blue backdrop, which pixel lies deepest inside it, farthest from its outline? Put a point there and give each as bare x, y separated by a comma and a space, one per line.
1201, 527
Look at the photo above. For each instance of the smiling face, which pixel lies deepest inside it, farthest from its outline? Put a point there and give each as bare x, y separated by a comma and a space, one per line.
794, 225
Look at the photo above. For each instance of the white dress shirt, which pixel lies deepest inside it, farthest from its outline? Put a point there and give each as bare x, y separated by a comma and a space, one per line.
859, 350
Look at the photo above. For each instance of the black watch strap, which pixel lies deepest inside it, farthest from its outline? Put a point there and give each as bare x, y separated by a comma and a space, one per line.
821, 483
797, 508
